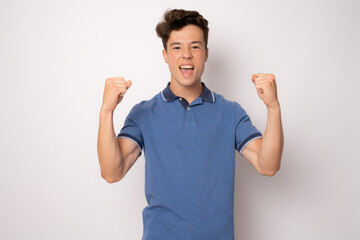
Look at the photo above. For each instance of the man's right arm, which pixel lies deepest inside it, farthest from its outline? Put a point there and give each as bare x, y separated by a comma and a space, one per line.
116, 155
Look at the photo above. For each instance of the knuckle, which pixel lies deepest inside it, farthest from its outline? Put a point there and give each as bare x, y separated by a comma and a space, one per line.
121, 90
109, 81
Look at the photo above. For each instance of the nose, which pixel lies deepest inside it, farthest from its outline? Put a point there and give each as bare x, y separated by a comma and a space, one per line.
187, 54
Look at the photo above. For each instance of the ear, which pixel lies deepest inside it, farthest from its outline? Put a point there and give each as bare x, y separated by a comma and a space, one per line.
164, 53
206, 54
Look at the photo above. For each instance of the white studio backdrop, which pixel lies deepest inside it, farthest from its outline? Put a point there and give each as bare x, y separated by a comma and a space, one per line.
56, 55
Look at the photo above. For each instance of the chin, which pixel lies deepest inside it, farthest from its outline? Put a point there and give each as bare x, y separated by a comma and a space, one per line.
188, 82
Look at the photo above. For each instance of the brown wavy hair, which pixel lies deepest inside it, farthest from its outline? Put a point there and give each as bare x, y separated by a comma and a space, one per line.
176, 19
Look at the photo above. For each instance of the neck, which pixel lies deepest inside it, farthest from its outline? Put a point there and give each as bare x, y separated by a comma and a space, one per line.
190, 93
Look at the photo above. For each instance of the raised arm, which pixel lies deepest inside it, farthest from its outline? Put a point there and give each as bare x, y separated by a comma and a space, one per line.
116, 155
265, 154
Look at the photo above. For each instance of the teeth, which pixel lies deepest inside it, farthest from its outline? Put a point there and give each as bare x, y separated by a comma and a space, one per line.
186, 66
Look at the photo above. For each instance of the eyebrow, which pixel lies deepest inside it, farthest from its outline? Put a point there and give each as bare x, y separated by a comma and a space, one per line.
179, 43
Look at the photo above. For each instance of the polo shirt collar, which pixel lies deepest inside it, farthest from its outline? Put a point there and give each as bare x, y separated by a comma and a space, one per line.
206, 94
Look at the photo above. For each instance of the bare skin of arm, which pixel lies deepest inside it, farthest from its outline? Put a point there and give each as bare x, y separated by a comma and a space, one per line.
116, 155
265, 154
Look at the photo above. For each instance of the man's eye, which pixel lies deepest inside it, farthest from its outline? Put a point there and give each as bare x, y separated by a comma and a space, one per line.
176, 48
196, 47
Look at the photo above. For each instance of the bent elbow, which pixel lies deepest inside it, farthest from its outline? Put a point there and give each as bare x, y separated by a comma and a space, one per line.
111, 179
270, 173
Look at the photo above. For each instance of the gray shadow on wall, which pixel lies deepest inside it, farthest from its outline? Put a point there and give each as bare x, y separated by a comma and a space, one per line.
216, 75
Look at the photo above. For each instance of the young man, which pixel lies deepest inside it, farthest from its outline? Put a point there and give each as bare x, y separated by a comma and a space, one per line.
189, 135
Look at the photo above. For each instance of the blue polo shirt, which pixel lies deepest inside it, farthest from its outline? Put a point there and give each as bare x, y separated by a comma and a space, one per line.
189, 163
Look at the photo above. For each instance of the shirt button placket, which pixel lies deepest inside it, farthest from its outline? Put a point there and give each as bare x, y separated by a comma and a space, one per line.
190, 118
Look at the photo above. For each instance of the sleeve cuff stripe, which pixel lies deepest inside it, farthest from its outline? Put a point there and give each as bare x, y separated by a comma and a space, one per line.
247, 140
137, 141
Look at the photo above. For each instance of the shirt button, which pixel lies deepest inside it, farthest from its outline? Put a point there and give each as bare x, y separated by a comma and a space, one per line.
188, 108
180, 99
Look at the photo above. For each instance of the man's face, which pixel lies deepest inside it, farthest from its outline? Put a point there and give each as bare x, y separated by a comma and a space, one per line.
186, 55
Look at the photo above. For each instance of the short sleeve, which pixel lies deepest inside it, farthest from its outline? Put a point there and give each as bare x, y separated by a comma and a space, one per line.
245, 131
131, 129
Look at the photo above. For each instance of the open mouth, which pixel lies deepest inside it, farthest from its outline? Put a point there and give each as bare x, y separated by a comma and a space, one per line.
186, 69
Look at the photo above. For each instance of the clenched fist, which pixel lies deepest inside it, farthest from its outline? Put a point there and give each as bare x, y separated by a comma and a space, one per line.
115, 89
266, 88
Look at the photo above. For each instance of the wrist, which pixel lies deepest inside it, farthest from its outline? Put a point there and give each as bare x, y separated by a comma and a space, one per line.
105, 111
274, 106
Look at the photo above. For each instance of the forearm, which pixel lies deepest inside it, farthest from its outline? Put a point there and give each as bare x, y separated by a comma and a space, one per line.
273, 141
108, 148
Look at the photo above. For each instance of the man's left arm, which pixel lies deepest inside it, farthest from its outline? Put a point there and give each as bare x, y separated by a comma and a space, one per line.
265, 154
